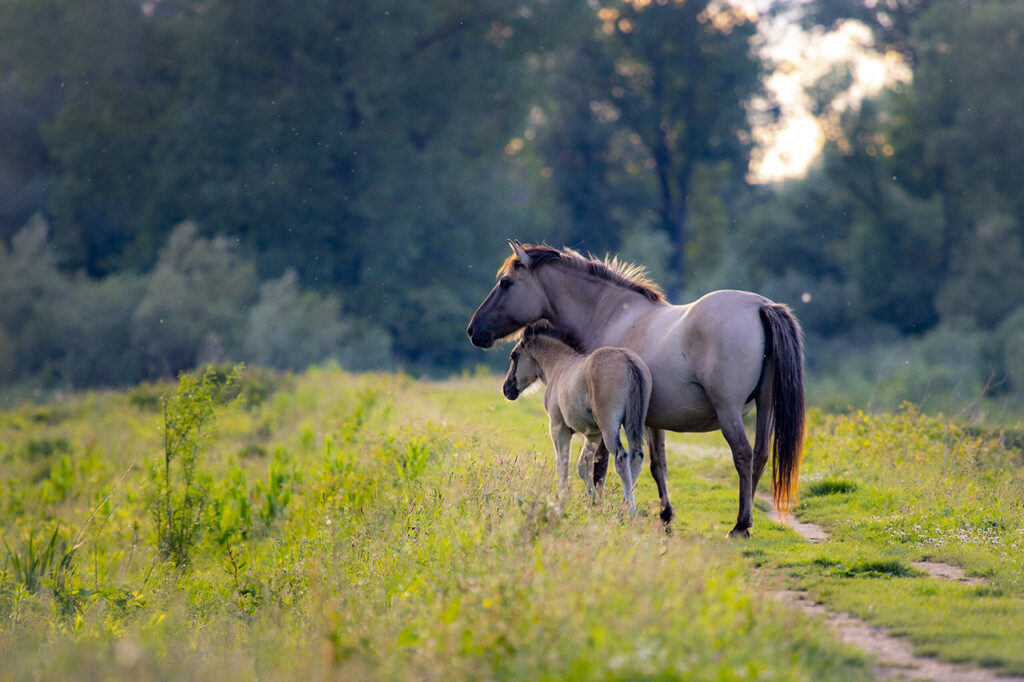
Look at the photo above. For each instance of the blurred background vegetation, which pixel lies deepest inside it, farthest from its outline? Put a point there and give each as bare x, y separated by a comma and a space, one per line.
194, 181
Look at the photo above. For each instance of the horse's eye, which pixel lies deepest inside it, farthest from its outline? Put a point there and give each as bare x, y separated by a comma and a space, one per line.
505, 283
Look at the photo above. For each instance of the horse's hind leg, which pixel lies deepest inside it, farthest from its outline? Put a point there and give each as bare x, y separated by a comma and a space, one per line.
765, 424
743, 459
762, 441
659, 470
600, 467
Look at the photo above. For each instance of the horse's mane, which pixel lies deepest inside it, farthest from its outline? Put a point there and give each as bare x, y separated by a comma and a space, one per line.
561, 334
611, 269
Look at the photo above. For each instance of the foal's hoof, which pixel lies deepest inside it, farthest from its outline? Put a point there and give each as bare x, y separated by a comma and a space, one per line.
739, 533
666, 515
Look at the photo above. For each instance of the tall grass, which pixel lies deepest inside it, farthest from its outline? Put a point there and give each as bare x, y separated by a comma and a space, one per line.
399, 529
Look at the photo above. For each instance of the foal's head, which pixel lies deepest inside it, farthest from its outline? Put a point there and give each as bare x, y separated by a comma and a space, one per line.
540, 345
524, 369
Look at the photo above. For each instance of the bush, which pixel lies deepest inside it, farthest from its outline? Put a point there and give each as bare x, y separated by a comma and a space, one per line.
288, 329
95, 328
197, 293
946, 369
31, 288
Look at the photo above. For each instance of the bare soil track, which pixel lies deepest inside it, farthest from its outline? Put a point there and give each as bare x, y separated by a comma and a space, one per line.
895, 656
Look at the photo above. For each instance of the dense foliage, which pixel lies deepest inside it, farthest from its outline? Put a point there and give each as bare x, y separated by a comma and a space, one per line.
181, 182
913, 216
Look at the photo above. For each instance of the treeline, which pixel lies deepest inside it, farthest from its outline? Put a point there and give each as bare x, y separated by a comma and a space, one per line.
348, 173
200, 304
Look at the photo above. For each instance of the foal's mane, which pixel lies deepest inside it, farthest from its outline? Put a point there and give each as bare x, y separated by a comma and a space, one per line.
563, 335
611, 269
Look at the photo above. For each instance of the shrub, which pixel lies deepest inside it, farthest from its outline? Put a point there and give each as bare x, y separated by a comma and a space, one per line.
289, 329
32, 564
95, 330
31, 288
198, 289
179, 490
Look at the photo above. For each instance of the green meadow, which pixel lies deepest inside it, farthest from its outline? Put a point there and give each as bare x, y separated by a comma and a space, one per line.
329, 525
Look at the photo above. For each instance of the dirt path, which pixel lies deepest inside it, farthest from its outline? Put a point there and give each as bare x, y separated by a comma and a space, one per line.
811, 532
895, 656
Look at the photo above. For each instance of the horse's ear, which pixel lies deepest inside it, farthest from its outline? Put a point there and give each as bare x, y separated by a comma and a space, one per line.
520, 252
529, 333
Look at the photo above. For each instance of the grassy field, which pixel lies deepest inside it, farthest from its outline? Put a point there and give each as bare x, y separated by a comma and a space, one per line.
338, 526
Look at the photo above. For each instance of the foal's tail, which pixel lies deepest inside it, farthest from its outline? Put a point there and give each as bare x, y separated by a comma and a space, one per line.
784, 350
636, 409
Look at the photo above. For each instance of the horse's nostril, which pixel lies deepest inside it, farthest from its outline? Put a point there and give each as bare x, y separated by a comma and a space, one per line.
470, 330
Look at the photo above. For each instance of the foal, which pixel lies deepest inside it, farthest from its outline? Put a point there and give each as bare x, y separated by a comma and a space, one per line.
594, 395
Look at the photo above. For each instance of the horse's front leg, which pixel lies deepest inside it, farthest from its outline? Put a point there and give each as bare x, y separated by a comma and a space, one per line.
561, 437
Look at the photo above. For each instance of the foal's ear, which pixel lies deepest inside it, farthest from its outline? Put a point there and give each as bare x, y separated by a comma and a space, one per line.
529, 333
520, 252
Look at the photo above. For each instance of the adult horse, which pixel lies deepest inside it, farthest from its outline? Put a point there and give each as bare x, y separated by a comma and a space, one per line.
711, 360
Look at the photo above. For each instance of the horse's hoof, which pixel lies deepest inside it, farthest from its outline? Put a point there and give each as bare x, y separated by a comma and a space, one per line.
739, 533
666, 515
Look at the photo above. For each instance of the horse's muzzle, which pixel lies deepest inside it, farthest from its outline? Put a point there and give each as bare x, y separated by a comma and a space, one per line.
510, 390
480, 339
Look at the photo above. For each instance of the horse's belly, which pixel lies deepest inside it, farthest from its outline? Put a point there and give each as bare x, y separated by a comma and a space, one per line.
683, 408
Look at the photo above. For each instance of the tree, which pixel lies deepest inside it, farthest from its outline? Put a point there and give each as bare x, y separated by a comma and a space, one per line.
923, 181
654, 113
351, 142
98, 77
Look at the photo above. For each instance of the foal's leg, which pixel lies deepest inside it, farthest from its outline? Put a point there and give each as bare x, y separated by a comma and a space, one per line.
624, 469
762, 441
609, 421
585, 467
659, 470
561, 436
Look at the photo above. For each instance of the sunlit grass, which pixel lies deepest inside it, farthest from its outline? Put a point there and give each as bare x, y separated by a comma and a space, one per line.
900, 488
374, 527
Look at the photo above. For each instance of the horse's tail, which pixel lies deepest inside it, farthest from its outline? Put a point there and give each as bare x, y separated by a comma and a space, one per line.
636, 413
784, 350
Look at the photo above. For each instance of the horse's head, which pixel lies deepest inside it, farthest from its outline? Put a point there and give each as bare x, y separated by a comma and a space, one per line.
516, 300
524, 369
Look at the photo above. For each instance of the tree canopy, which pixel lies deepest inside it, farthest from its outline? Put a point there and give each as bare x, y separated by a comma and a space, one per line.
292, 182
